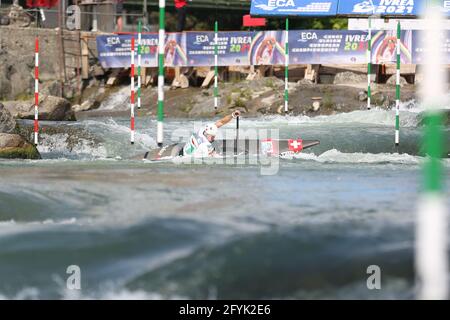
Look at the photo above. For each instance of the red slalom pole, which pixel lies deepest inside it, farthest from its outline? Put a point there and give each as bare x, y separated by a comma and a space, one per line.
36, 90
132, 91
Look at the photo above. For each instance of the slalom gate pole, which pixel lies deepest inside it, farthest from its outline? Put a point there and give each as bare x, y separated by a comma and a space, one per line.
132, 92
237, 136
36, 90
161, 41
369, 64
286, 69
397, 88
431, 257
139, 64
216, 60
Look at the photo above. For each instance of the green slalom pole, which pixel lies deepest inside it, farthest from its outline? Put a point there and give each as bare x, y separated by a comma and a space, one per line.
139, 64
431, 256
216, 60
397, 88
369, 64
161, 41
286, 69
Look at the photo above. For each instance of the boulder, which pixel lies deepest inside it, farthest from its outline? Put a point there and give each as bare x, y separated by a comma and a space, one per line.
50, 88
16, 78
349, 78
7, 122
50, 108
305, 82
362, 96
392, 81
13, 146
85, 106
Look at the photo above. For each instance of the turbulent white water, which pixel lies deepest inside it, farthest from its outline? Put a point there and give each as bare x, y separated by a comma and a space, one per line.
172, 230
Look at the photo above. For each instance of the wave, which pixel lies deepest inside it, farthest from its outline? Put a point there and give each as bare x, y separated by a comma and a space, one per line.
119, 100
335, 156
60, 145
375, 116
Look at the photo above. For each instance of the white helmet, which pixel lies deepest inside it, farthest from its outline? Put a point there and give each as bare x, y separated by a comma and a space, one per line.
211, 129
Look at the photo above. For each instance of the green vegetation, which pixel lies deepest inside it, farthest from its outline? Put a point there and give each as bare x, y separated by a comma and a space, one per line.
328, 102
23, 97
309, 23
270, 83
27, 152
239, 104
229, 99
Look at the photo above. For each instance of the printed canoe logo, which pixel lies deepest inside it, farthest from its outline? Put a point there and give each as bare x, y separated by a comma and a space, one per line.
163, 149
295, 145
364, 7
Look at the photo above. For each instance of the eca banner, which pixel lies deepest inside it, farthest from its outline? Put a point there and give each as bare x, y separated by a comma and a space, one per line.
384, 47
244, 48
114, 51
294, 7
233, 48
236, 48
419, 48
315, 47
268, 48
382, 7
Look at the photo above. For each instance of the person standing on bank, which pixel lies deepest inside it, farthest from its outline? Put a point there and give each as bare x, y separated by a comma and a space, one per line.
181, 7
119, 18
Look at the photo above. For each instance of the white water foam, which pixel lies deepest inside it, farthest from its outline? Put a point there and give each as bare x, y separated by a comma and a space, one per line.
59, 143
335, 156
376, 116
111, 126
119, 100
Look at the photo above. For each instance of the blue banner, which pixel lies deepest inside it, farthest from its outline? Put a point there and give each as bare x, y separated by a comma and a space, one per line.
245, 48
233, 48
385, 8
330, 47
294, 7
384, 47
114, 51
268, 48
382, 7
420, 50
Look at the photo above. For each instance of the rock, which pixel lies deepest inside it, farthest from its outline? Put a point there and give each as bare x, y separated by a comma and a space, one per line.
51, 88
50, 108
315, 106
98, 71
18, 16
4, 20
362, 96
306, 82
7, 122
418, 78
338, 107
270, 100
85, 106
393, 79
378, 99
349, 78
13, 146
15, 76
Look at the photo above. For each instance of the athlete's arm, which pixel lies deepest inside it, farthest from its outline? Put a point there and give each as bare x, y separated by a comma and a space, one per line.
227, 119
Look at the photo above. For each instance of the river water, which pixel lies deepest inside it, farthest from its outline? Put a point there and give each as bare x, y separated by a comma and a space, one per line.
308, 228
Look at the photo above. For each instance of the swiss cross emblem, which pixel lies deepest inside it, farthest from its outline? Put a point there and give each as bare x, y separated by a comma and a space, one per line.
295, 145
